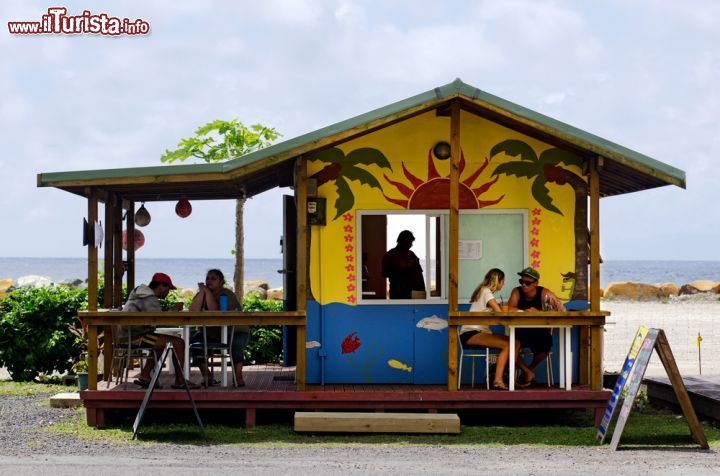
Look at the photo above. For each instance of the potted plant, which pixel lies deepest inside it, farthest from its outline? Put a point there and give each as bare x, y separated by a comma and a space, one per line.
81, 370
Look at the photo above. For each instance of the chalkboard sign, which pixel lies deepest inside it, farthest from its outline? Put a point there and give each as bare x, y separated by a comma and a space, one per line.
620, 383
169, 350
655, 339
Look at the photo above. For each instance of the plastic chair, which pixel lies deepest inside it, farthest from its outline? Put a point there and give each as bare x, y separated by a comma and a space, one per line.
475, 352
212, 350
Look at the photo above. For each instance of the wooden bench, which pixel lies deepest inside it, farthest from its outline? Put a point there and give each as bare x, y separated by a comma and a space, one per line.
358, 422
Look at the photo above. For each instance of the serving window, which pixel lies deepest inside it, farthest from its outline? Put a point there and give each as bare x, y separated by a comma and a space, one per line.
488, 238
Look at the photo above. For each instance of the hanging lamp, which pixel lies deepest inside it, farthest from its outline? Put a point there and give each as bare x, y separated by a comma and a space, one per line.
142, 216
183, 208
138, 239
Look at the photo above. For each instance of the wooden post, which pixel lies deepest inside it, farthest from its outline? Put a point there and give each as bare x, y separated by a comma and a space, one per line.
453, 239
108, 255
117, 252
92, 287
130, 238
302, 264
596, 332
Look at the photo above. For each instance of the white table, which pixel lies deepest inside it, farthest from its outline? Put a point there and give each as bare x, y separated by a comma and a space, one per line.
565, 352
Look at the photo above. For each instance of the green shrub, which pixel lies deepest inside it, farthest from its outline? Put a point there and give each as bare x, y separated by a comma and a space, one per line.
34, 335
265, 344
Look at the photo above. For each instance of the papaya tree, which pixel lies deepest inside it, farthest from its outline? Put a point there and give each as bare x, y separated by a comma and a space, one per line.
219, 141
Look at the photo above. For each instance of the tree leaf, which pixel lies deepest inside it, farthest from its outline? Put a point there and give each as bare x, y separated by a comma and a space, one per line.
519, 169
363, 176
369, 156
514, 148
542, 195
345, 198
331, 156
557, 156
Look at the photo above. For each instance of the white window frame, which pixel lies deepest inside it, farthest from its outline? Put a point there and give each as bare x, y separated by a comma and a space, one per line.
442, 299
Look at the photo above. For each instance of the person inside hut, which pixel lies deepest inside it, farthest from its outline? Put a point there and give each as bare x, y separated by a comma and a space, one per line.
208, 298
483, 299
529, 296
402, 267
146, 298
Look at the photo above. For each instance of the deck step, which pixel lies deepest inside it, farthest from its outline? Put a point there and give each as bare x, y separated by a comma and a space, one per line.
359, 422
66, 400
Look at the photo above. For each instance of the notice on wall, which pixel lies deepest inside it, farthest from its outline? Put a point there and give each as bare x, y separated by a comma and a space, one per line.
470, 249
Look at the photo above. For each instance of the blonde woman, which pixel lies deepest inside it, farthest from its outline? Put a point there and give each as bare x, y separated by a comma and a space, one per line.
483, 300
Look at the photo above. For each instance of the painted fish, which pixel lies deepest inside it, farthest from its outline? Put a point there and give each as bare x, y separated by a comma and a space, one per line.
312, 344
396, 364
432, 323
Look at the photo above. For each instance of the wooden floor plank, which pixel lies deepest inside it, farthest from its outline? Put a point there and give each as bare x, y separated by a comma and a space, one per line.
356, 422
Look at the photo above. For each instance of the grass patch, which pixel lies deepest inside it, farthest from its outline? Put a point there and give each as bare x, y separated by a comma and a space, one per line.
32, 388
646, 429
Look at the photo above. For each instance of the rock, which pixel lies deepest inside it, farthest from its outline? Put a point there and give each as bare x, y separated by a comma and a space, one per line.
72, 283
260, 292
669, 289
275, 294
703, 285
716, 289
187, 292
34, 281
6, 286
632, 290
686, 289
259, 283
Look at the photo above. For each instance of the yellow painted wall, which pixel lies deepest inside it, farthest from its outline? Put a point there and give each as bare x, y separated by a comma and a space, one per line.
334, 255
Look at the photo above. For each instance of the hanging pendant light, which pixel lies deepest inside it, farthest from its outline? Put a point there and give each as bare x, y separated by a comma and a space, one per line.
138, 239
142, 216
183, 207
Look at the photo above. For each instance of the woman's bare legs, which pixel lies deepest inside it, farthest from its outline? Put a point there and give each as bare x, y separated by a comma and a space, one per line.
502, 342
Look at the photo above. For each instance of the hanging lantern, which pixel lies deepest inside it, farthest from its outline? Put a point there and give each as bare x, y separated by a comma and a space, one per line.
138, 239
142, 216
183, 207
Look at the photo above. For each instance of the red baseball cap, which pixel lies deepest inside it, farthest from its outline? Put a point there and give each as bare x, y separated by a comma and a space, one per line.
163, 278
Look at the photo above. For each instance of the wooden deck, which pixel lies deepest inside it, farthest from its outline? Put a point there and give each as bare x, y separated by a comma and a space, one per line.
704, 393
269, 387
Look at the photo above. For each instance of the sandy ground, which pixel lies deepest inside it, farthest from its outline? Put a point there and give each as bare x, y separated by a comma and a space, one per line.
681, 319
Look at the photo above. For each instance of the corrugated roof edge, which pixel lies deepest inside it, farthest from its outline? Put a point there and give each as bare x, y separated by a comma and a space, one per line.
48, 178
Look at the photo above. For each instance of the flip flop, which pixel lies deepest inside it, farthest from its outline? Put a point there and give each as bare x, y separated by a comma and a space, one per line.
522, 384
499, 386
142, 383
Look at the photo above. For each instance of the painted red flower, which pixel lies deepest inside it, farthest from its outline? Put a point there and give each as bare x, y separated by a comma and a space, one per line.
349, 258
349, 248
350, 343
536, 211
349, 268
534, 232
348, 228
351, 299
348, 238
535, 254
536, 264
534, 242
536, 221
351, 277
348, 217
350, 288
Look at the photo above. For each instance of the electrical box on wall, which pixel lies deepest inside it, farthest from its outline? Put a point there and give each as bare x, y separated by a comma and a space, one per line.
316, 211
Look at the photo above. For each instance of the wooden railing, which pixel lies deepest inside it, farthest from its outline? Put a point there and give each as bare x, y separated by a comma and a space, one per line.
594, 320
105, 317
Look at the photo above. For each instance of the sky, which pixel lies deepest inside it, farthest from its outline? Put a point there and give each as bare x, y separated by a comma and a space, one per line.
642, 73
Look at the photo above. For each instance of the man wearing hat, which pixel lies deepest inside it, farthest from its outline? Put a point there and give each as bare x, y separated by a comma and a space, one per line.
531, 297
146, 298
402, 267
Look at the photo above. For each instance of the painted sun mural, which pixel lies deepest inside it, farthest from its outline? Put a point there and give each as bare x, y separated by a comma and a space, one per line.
434, 191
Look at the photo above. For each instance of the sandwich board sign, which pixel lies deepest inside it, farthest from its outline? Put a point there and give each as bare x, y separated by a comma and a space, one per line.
654, 340
620, 383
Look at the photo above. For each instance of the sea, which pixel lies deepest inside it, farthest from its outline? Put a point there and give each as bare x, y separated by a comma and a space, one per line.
188, 272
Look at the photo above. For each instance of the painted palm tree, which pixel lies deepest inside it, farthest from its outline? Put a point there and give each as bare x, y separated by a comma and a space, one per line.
341, 168
541, 170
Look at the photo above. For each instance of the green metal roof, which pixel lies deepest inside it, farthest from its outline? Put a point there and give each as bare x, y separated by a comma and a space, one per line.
661, 173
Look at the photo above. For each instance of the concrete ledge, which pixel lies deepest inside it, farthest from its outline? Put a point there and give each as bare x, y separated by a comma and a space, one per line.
66, 400
358, 422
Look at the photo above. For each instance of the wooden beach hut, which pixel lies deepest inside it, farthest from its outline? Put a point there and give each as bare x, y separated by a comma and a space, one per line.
483, 182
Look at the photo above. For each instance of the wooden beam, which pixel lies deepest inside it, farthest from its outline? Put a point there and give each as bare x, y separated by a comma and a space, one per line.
92, 357
596, 334
302, 264
130, 253
108, 256
453, 237
363, 422
117, 252
666, 357
92, 251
